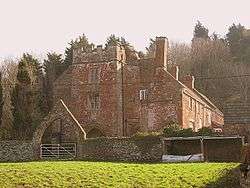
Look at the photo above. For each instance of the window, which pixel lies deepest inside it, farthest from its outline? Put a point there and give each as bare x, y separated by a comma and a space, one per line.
94, 75
143, 94
199, 108
94, 101
208, 116
200, 123
190, 104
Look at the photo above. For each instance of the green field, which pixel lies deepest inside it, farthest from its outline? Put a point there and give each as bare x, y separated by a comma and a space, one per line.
108, 174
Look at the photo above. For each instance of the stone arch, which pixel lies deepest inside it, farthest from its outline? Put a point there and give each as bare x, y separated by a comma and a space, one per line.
60, 111
94, 133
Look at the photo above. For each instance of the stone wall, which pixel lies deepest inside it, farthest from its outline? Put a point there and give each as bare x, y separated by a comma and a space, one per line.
140, 149
14, 151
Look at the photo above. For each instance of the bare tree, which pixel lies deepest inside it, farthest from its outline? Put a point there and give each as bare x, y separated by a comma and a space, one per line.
9, 71
180, 55
241, 82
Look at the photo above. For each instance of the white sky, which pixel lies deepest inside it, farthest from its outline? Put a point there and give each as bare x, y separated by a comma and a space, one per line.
40, 26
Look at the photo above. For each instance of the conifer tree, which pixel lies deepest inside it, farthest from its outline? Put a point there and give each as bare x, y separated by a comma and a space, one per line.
52, 68
200, 31
112, 40
21, 100
82, 43
27, 97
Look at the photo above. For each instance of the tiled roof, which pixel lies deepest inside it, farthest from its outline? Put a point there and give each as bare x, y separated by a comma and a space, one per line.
237, 113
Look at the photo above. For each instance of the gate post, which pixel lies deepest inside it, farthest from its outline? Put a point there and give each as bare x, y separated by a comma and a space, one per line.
79, 150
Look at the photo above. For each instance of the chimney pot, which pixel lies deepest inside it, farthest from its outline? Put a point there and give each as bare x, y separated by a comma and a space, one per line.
174, 71
99, 48
188, 81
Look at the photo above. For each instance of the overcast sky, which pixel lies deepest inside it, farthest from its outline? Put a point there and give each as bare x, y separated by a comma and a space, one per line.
39, 26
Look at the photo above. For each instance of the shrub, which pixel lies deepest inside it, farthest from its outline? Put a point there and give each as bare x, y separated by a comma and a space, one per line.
205, 131
146, 134
171, 129
185, 133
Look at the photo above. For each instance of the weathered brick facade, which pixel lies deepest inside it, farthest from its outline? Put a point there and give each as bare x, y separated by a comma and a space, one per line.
113, 96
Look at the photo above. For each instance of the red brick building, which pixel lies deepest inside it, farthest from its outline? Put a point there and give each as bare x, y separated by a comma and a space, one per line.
113, 95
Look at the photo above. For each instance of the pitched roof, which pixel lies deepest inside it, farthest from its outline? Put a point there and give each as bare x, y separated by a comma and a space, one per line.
237, 113
202, 96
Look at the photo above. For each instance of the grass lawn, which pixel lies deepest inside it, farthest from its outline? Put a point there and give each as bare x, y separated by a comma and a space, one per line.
108, 174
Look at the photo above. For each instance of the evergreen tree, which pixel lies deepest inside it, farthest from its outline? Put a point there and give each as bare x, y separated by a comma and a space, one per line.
238, 39
27, 97
21, 100
150, 50
130, 52
82, 43
68, 55
200, 31
52, 68
112, 40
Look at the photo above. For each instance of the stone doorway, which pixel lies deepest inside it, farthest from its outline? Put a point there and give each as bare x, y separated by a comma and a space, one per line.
95, 133
59, 131
58, 127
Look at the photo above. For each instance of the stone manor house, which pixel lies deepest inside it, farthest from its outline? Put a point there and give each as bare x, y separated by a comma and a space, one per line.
114, 95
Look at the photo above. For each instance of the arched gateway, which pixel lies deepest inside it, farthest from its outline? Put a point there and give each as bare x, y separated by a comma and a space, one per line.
60, 113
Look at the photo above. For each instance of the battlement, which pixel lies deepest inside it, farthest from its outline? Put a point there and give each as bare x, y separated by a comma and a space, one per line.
99, 54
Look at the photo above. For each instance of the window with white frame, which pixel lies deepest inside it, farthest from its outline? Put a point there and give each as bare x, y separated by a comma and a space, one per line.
94, 75
143, 94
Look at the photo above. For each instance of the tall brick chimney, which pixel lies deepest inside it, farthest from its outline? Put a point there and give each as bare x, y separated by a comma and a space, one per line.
161, 51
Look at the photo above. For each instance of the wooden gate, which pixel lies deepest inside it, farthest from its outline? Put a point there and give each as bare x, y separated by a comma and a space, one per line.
58, 151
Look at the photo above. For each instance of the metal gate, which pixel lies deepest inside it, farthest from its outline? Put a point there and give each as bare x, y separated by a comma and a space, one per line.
58, 151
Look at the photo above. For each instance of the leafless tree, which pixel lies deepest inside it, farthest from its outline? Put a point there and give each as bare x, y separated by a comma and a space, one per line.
9, 70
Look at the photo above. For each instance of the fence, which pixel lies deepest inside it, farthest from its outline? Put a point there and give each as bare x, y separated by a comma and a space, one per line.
58, 151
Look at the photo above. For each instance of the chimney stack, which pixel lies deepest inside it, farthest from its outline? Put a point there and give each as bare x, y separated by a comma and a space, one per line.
174, 71
188, 81
99, 49
161, 52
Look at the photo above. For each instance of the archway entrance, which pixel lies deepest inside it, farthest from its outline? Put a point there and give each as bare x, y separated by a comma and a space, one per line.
58, 132
94, 133
59, 135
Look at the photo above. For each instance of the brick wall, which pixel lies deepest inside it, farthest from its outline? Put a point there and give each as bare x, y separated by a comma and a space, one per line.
121, 111
105, 118
195, 111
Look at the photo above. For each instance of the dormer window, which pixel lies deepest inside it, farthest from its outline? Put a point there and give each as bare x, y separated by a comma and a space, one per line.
143, 94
